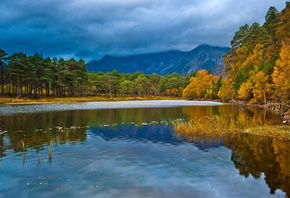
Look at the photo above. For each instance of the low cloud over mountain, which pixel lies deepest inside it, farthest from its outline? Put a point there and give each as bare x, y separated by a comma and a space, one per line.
203, 57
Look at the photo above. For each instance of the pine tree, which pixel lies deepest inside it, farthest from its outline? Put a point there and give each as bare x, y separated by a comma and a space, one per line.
240, 78
2, 69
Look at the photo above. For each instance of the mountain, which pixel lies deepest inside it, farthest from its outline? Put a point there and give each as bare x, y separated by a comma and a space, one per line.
202, 57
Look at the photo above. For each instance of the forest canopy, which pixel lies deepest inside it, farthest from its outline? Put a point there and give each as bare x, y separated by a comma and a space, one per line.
35, 76
257, 66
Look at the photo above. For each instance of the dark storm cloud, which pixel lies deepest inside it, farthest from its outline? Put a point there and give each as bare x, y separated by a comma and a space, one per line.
91, 28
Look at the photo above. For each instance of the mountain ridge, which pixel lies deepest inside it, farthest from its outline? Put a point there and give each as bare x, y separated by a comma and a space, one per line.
182, 62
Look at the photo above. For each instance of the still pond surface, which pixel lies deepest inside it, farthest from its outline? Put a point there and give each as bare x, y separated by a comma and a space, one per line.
129, 149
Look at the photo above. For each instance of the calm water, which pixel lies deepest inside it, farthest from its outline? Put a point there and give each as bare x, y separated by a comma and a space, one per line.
107, 149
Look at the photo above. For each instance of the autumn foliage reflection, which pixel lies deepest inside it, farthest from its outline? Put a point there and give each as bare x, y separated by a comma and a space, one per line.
253, 155
257, 155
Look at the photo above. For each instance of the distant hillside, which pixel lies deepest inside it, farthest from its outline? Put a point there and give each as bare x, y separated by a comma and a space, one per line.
202, 57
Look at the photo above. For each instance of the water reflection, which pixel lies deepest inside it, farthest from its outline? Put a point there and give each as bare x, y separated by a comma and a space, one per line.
133, 152
39, 129
258, 156
256, 115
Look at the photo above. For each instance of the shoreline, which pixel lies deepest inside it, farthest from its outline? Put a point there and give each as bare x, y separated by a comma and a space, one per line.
282, 109
21, 101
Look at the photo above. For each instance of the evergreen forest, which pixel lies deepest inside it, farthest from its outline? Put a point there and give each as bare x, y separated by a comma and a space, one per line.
35, 76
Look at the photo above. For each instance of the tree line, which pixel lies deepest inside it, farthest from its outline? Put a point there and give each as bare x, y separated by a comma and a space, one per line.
35, 76
257, 67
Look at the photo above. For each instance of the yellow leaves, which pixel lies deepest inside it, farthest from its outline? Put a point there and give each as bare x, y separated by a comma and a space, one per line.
226, 91
243, 58
257, 57
277, 79
245, 91
209, 92
198, 85
284, 29
281, 75
261, 86
175, 92
227, 60
203, 82
254, 60
241, 55
188, 92
258, 85
178, 91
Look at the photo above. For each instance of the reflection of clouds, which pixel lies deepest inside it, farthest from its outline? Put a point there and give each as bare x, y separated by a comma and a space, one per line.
172, 171
121, 168
123, 161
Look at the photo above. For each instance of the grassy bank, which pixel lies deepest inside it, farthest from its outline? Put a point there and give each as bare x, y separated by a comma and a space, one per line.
78, 99
217, 126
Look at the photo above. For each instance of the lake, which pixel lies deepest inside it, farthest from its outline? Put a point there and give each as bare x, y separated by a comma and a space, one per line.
130, 149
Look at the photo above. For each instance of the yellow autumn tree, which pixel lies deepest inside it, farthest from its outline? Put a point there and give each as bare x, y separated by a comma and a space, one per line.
281, 75
189, 91
198, 85
226, 91
255, 59
261, 87
246, 90
180, 90
234, 63
259, 59
205, 81
174, 92
284, 28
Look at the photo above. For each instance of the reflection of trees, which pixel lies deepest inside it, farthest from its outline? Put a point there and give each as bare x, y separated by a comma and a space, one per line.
244, 114
254, 155
200, 141
200, 111
135, 115
37, 130
2, 149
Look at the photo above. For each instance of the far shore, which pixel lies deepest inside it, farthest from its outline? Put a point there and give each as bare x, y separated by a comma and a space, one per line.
48, 100
282, 109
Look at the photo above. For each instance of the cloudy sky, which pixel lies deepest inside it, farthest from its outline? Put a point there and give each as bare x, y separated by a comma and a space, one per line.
89, 29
